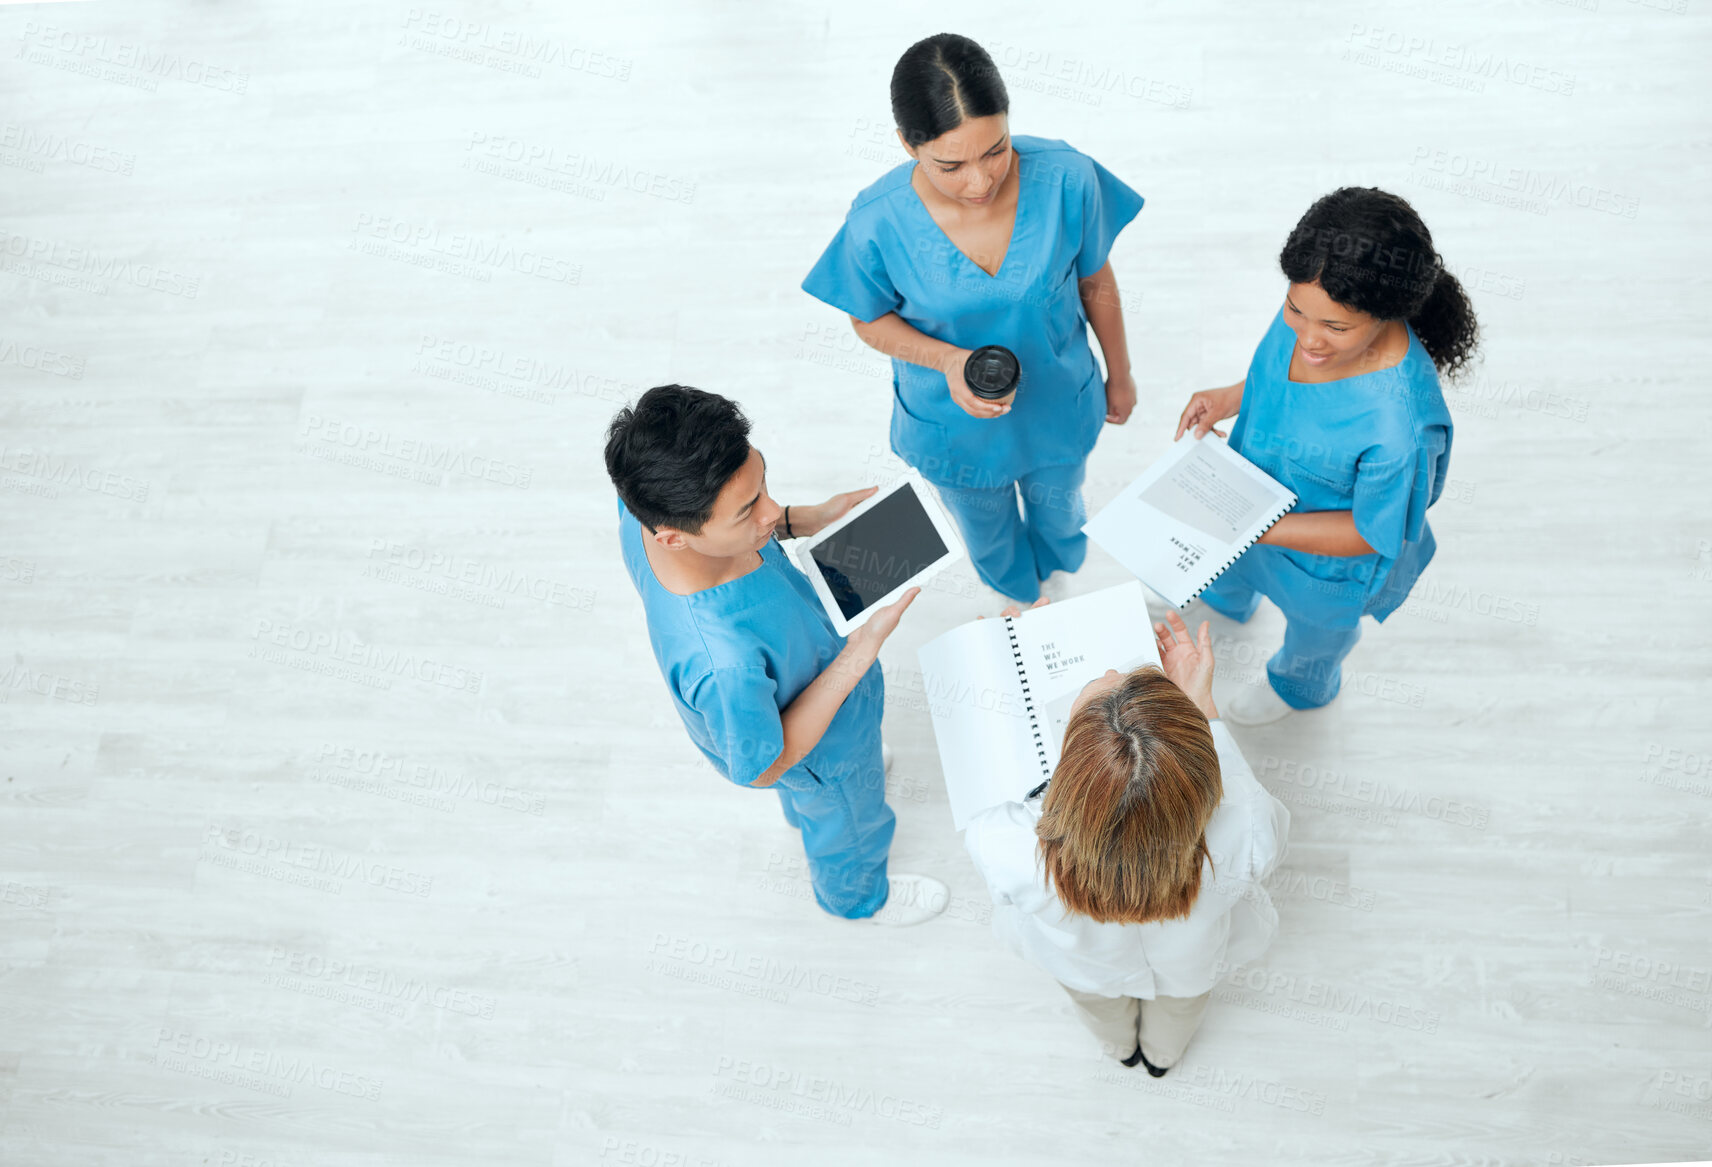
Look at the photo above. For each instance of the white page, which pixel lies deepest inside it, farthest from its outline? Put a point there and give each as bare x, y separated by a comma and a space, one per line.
1199, 491
1066, 645
980, 723
1188, 516
1058, 709
986, 740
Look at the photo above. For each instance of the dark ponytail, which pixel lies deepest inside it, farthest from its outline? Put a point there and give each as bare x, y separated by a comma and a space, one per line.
940, 83
1368, 250
1446, 325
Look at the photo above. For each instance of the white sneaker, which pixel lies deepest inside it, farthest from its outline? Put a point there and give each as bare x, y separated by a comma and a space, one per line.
1256, 705
886, 755
912, 899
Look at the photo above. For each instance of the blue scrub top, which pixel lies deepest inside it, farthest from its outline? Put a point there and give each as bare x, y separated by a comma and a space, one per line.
734, 655
890, 256
1377, 444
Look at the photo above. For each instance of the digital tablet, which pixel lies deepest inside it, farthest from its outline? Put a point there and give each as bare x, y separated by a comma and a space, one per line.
887, 544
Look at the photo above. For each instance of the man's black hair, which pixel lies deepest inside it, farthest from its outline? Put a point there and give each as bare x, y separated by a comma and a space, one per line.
671, 453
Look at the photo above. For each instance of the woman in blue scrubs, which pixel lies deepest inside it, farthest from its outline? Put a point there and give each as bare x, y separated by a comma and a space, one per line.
1342, 405
984, 238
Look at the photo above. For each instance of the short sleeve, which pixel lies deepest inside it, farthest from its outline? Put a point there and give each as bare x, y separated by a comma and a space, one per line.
1107, 207
978, 837
1392, 494
851, 276
1269, 819
740, 708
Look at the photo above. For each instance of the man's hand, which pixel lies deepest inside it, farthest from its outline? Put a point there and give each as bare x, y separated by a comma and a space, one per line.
811, 711
1188, 663
811, 520
872, 634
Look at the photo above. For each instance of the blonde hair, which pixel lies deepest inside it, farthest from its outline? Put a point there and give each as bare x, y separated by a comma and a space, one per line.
1123, 829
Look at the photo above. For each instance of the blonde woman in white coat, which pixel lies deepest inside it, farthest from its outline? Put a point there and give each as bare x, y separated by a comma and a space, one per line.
1137, 874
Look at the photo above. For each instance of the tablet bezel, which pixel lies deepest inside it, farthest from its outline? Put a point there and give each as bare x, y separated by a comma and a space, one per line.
801, 550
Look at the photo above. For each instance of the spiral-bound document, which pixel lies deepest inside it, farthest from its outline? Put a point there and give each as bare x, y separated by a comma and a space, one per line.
1189, 516
1000, 690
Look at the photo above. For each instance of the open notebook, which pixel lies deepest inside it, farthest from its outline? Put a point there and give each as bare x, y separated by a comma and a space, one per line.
1189, 516
1000, 690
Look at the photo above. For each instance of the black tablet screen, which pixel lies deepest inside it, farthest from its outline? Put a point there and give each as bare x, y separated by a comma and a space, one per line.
866, 558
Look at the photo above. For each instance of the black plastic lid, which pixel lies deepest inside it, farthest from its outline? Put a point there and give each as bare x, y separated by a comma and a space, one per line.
991, 371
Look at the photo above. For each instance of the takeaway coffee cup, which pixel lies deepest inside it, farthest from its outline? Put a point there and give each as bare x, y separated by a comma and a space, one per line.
991, 372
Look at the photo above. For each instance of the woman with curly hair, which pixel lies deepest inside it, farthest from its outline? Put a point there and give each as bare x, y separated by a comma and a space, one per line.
1342, 405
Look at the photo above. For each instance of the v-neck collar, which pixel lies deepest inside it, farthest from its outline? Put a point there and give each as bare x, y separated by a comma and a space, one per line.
1016, 218
642, 549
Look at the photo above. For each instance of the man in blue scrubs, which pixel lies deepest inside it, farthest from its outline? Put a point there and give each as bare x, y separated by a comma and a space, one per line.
766, 688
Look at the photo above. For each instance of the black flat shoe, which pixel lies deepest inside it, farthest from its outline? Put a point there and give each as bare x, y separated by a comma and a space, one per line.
1138, 1056
1133, 1058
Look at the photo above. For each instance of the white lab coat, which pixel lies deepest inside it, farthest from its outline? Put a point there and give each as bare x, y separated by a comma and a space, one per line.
1232, 920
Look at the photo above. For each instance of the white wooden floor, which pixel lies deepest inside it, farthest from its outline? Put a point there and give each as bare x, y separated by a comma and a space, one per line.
345, 820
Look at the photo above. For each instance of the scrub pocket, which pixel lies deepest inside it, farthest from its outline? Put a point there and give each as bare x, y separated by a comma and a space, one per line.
1329, 590
1332, 469
1064, 318
916, 439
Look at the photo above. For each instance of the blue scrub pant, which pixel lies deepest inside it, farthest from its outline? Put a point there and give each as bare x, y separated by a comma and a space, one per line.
1013, 551
846, 831
1307, 671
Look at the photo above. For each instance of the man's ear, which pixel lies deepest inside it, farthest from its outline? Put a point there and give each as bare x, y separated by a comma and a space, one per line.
669, 538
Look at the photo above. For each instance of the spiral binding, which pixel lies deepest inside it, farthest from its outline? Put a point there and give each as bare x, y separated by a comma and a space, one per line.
1028, 698
1240, 552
